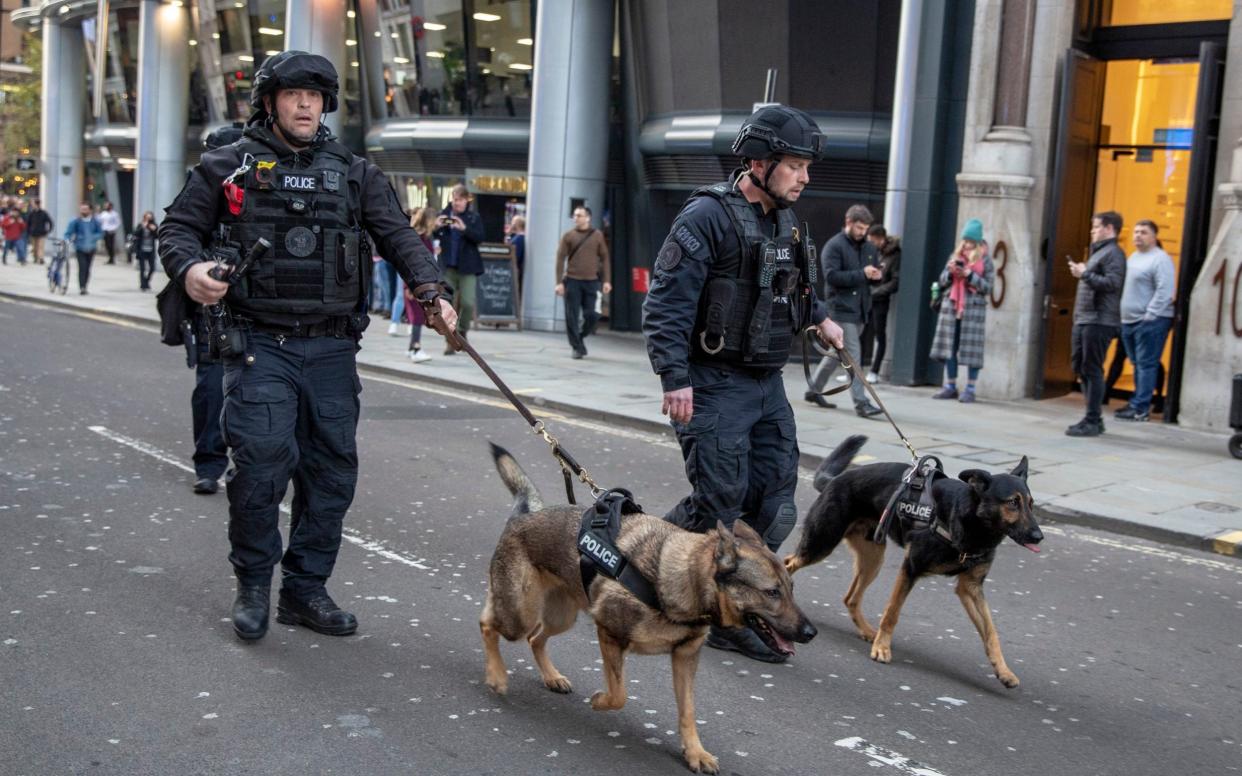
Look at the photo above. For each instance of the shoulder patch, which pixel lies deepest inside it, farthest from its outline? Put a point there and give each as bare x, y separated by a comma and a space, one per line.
687, 240
670, 256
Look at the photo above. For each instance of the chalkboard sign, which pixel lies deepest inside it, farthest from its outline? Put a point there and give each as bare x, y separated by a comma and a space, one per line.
497, 300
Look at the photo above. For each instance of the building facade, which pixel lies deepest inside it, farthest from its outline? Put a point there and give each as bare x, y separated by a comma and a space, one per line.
1027, 114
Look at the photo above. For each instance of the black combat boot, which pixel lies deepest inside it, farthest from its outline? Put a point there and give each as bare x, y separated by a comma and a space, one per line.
250, 611
316, 611
743, 640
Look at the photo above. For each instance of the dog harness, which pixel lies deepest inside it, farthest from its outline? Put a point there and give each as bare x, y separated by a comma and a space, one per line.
913, 504
597, 544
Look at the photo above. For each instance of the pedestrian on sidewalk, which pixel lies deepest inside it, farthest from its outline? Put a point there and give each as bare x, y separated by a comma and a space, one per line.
13, 225
460, 230
849, 267
961, 326
84, 234
144, 245
424, 222
110, 223
1146, 315
38, 225
888, 250
517, 238
581, 264
722, 383
1097, 316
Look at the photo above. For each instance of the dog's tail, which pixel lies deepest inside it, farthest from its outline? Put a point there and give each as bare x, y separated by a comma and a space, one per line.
525, 494
838, 460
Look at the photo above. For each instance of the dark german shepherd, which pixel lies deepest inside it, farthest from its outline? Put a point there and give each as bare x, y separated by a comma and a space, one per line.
980, 511
725, 578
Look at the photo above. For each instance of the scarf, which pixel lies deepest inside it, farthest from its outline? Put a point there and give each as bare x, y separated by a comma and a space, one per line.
957, 294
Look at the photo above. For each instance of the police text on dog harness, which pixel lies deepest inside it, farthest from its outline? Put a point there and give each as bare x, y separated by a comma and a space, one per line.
913, 504
597, 537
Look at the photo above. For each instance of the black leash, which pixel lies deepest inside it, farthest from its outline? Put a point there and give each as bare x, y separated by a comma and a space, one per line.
569, 467
847, 362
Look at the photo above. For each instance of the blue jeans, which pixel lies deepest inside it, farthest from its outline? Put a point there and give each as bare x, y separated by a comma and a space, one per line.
1144, 343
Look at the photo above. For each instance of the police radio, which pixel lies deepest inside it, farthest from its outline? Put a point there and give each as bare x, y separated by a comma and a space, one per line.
230, 255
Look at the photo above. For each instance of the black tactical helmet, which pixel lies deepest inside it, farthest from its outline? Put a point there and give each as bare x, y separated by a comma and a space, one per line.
777, 130
225, 135
295, 70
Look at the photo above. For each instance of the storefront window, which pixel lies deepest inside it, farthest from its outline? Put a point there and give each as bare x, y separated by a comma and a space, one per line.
231, 43
120, 64
1128, 12
439, 62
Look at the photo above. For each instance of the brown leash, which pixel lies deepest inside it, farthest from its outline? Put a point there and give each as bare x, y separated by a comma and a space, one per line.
569, 467
851, 368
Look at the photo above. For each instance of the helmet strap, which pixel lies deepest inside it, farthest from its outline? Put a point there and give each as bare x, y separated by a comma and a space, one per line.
780, 202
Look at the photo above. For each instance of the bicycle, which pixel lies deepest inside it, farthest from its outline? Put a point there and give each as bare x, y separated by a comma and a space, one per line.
58, 266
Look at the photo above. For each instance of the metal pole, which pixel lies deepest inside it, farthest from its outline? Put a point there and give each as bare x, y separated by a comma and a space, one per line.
769, 86
101, 59
903, 113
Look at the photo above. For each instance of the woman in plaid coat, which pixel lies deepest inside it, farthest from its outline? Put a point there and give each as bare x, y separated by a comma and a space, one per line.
962, 324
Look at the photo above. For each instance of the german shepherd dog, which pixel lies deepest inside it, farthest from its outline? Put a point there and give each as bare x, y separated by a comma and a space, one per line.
724, 577
980, 510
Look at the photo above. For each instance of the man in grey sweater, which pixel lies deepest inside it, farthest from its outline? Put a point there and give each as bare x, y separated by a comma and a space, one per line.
1097, 316
1146, 315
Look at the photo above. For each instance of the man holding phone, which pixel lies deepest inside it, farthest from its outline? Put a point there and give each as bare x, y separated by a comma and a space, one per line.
460, 230
1097, 316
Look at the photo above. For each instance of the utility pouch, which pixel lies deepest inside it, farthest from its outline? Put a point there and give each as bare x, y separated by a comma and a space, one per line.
230, 341
346, 255
721, 293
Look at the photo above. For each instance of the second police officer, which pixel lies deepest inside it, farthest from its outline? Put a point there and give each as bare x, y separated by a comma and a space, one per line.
733, 285
288, 330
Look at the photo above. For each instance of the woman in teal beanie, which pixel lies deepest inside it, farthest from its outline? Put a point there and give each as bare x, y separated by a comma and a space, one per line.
962, 324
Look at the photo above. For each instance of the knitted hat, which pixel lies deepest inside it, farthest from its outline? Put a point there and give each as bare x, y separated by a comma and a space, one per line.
973, 230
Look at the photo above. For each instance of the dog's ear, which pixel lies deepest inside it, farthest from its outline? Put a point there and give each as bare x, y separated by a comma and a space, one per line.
1021, 469
726, 550
977, 479
743, 531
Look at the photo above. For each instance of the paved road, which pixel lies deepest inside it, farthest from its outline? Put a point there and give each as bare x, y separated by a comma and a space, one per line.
116, 655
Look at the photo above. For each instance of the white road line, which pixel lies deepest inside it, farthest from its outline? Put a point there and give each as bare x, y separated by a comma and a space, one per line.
884, 756
349, 534
1145, 549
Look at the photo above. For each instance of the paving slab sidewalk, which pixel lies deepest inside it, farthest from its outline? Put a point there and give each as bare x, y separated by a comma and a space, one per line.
1153, 480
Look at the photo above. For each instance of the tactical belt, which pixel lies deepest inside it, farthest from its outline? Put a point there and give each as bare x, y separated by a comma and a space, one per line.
336, 326
597, 537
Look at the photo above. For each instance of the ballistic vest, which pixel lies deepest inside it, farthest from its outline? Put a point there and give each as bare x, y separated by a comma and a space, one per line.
751, 307
314, 266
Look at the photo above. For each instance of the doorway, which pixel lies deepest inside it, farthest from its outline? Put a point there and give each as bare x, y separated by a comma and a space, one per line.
1136, 136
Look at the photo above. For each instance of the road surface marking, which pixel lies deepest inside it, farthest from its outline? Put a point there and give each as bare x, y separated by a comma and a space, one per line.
887, 757
349, 534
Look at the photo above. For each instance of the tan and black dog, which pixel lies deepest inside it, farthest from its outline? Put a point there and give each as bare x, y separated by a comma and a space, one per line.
978, 512
725, 578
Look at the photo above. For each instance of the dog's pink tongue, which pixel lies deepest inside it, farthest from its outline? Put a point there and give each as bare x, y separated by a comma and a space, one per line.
782, 644
1032, 547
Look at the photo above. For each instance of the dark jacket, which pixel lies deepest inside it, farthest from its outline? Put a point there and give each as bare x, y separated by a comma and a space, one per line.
468, 261
1098, 300
842, 261
144, 238
193, 215
890, 264
39, 223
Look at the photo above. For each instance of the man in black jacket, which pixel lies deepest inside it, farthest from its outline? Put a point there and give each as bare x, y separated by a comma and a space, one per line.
1097, 316
848, 263
289, 328
460, 230
888, 249
38, 227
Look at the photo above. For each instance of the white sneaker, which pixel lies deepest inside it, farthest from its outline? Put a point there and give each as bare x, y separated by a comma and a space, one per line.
393, 330
873, 378
409, 329
419, 356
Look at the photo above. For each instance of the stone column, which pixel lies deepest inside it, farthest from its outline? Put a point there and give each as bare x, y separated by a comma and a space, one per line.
318, 26
64, 116
568, 139
163, 106
995, 186
1214, 335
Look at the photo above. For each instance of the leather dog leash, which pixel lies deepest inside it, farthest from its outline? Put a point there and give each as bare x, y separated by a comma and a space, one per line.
569, 467
851, 368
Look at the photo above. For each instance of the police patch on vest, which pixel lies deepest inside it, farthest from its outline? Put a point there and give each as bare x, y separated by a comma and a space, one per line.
670, 255
297, 182
300, 242
687, 240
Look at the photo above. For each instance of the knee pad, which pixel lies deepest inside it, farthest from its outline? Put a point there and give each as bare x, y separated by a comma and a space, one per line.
782, 524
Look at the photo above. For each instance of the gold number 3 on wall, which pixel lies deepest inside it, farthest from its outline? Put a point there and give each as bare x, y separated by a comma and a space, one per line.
999, 257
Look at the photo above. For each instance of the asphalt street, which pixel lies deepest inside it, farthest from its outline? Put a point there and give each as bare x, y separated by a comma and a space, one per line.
117, 655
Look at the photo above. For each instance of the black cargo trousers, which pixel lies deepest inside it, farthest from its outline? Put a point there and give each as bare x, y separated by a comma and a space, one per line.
741, 453
292, 414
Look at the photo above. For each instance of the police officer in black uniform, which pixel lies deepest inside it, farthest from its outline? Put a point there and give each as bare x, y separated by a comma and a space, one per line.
288, 328
734, 283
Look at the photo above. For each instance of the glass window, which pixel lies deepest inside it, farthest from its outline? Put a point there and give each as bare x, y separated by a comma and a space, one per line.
120, 64
1127, 12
